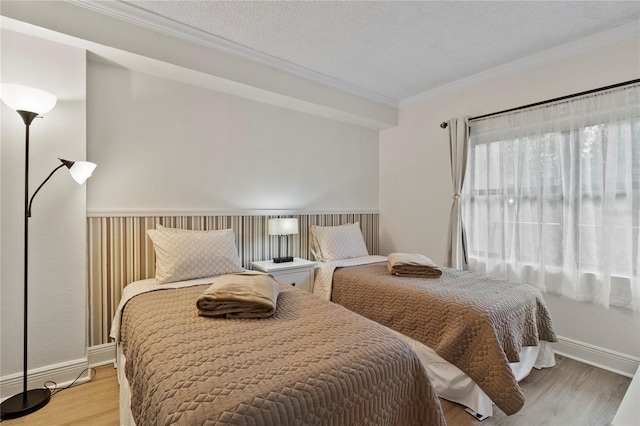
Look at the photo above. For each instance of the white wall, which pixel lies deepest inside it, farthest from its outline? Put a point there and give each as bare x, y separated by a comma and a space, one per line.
162, 145
57, 229
415, 178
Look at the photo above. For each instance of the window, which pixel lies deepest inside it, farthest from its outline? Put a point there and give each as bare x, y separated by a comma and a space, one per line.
552, 197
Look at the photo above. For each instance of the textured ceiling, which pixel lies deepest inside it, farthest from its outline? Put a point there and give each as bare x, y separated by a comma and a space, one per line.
398, 49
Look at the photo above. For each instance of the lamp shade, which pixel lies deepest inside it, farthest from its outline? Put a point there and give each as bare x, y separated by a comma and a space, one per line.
285, 226
25, 98
79, 170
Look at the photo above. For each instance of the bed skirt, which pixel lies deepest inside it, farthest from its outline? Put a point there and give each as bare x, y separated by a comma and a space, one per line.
454, 385
126, 417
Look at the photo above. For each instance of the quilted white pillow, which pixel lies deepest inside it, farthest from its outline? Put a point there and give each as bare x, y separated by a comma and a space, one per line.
337, 242
182, 254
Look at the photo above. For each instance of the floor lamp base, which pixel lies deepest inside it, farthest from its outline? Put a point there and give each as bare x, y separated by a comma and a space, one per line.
19, 405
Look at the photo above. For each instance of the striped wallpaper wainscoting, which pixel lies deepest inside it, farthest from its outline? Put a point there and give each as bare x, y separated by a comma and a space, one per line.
120, 251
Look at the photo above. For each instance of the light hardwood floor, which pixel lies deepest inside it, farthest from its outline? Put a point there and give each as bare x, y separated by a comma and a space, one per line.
571, 393
92, 403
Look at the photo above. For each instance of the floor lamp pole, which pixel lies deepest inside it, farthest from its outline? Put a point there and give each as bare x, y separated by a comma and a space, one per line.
25, 343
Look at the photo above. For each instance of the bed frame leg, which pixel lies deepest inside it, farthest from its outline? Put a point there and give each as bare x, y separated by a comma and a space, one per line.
476, 415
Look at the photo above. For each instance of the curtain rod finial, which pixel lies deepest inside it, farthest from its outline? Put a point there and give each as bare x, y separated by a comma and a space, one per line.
444, 125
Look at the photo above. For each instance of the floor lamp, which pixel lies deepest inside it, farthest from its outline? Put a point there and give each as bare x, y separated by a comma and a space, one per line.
29, 103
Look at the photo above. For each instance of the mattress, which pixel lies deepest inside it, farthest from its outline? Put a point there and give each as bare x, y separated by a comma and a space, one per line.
312, 362
479, 324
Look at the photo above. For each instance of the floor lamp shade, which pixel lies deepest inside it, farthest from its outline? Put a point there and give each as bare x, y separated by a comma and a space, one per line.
25, 98
29, 103
80, 170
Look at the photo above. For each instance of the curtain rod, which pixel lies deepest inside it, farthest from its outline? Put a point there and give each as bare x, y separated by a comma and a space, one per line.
444, 124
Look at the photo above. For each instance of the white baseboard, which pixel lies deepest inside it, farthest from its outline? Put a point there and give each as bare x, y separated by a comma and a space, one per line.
62, 374
616, 362
102, 354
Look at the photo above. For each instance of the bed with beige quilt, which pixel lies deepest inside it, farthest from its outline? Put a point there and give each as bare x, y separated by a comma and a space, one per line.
478, 336
309, 362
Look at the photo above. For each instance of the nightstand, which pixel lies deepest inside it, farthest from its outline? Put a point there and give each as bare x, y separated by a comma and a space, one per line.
298, 273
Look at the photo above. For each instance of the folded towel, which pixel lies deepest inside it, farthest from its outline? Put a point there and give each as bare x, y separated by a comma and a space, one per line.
412, 265
243, 295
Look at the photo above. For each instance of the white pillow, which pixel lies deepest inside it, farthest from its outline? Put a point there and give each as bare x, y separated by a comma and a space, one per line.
330, 243
183, 254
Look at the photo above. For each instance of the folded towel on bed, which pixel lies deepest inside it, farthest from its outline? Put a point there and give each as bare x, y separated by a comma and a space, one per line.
412, 265
243, 295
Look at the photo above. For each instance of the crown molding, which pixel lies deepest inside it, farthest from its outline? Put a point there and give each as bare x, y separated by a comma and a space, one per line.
139, 17
595, 41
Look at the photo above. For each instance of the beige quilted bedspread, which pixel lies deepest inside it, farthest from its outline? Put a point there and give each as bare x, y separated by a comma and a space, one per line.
311, 363
476, 322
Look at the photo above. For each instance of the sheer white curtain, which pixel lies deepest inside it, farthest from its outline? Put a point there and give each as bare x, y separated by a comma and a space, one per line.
552, 197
